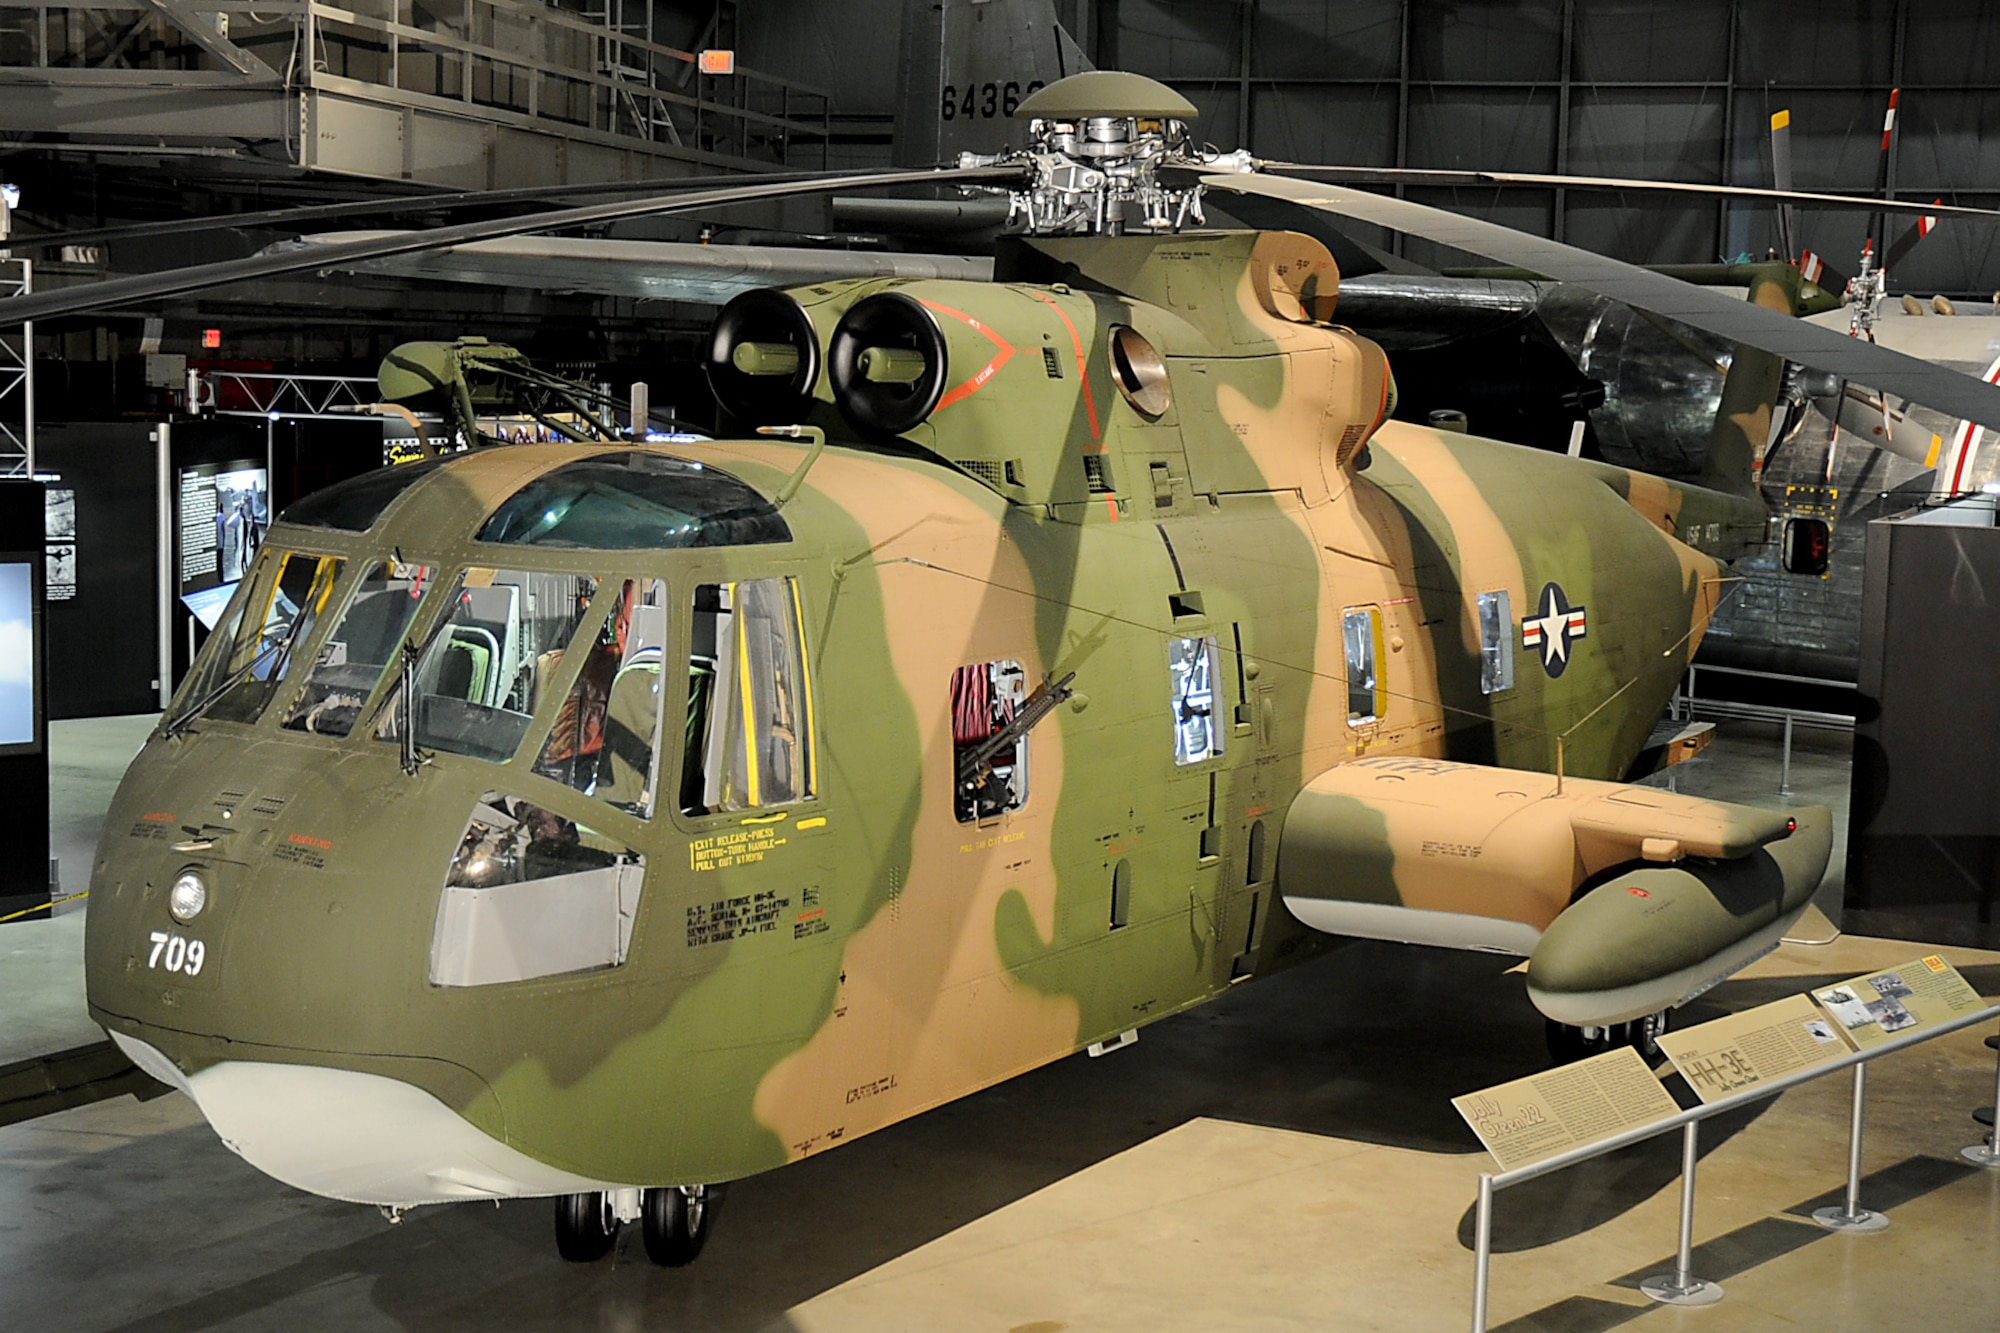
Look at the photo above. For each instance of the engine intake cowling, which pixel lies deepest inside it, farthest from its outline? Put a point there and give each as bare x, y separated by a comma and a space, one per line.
887, 362
763, 359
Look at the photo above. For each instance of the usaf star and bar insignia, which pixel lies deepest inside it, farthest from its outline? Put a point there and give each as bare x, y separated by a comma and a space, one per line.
1552, 631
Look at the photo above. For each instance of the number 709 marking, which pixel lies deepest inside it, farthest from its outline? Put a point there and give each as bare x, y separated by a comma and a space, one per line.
176, 953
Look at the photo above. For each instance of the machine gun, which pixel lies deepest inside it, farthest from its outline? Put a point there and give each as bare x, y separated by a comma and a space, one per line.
975, 766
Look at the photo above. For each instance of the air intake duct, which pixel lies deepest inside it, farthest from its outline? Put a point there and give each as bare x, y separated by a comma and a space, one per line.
763, 359
887, 364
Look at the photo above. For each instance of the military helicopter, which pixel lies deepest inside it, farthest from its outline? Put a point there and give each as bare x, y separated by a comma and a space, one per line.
610, 821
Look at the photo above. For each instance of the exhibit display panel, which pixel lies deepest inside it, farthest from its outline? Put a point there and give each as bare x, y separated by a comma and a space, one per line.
24, 759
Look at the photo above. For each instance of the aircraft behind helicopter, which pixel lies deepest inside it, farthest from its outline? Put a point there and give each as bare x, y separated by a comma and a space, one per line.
607, 821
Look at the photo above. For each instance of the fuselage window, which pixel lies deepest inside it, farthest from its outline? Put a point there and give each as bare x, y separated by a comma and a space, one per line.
361, 644
243, 664
1361, 633
989, 766
488, 659
1496, 642
1191, 670
606, 738
529, 894
749, 718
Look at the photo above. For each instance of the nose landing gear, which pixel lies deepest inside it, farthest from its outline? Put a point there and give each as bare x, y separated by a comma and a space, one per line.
676, 1224
586, 1227
673, 1221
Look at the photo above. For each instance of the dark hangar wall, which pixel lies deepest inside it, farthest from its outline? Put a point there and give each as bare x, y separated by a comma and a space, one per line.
1610, 87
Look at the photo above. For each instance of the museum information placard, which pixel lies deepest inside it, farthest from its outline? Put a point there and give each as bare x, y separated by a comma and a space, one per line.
1874, 1006
1740, 1050
1533, 1119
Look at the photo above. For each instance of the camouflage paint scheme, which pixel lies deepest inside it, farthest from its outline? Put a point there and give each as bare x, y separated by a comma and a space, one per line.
955, 955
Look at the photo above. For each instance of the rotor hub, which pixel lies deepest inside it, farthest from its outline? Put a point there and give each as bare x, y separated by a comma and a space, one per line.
1097, 146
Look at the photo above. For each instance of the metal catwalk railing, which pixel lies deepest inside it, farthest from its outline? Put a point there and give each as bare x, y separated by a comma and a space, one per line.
1688, 704
553, 68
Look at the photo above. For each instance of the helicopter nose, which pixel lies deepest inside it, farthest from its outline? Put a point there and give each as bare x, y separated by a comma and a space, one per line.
361, 1137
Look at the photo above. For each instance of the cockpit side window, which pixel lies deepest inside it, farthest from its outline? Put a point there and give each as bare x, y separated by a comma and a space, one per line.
605, 741
361, 644
749, 720
245, 661
487, 660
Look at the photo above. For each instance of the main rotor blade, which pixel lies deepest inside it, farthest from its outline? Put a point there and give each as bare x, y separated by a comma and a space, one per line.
1426, 176
292, 214
269, 264
1935, 386
652, 270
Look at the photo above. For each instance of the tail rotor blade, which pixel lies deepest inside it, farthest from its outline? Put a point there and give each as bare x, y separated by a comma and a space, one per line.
1908, 241
1878, 222
1821, 274
1781, 179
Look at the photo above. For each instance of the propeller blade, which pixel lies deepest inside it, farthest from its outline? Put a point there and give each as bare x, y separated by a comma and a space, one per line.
1938, 387
1781, 177
284, 218
1427, 176
269, 264
1907, 242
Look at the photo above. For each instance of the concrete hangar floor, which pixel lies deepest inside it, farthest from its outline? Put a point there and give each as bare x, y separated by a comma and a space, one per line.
1284, 1158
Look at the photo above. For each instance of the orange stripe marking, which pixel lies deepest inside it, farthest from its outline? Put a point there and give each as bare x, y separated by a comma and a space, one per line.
1082, 370
985, 372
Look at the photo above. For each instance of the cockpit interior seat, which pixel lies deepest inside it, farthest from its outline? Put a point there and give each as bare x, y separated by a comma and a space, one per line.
626, 761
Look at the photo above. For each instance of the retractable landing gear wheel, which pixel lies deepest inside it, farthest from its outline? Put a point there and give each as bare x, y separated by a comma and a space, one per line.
585, 1228
676, 1224
1569, 1044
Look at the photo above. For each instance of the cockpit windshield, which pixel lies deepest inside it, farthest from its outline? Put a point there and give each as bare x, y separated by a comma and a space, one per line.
250, 654
354, 505
635, 501
362, 642
487, 661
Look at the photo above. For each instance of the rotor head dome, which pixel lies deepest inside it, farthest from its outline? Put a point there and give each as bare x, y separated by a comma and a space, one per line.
1106, 92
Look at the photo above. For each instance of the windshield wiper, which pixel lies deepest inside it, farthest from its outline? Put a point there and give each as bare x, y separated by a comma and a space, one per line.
280, 646
406, 688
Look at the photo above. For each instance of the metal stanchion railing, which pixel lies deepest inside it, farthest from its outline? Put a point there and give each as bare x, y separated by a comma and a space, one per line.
1682, 1287
1987, 1154
1682, 1278
1852, 1216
